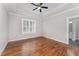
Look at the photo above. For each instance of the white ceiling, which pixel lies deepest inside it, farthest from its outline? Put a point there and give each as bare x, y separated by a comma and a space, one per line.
26, 8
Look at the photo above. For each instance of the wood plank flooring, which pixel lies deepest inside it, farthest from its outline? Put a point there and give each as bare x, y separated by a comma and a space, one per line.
35, 47
73, 51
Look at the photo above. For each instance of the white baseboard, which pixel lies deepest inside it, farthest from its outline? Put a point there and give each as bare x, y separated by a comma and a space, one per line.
55, 39
24, 37
3, 48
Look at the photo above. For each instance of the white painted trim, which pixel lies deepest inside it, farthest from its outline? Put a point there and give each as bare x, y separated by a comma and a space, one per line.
34, 29
19, 10
54, 39
67, 29
15, 13
68, 24
12, 13
19, 15
3, 49
54, 9
22, 15
73, 16
63, 12
43, 14
22, 38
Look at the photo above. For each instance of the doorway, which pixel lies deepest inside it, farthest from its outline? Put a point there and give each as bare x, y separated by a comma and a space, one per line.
73, 30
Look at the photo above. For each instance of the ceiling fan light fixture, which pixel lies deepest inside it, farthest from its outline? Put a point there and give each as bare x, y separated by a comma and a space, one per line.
39, 7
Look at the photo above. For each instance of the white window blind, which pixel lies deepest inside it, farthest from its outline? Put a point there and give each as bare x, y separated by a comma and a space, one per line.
28, 26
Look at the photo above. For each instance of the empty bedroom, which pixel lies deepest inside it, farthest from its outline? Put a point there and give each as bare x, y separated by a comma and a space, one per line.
39, 29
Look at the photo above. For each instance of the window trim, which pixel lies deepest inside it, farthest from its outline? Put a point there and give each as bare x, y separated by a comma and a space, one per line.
34, 29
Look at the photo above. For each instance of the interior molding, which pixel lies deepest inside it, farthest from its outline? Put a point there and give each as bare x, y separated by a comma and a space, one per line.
3, 48
17, 14
12, 13
72, 16
62, 5
64, 12
22, 11
52, 38
25, 37
19, 10
37, 14
68, 24
24, 15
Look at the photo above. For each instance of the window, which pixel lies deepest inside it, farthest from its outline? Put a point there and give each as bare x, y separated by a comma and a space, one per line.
28, 26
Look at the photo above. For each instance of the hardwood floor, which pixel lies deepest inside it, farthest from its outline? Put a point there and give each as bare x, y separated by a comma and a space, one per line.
73, 51
35, 47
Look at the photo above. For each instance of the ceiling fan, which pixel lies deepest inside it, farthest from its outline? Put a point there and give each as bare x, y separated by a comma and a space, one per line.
39, 6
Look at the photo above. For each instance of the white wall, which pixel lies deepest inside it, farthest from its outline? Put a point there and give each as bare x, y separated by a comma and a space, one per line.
15, 26
3, 28
56, 27
53, 27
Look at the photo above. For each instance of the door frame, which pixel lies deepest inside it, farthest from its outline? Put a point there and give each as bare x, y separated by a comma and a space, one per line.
68, 18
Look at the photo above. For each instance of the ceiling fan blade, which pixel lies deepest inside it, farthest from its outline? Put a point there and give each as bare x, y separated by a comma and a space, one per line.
34, 4
40, 10
44, 7
35, 9
41, 4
